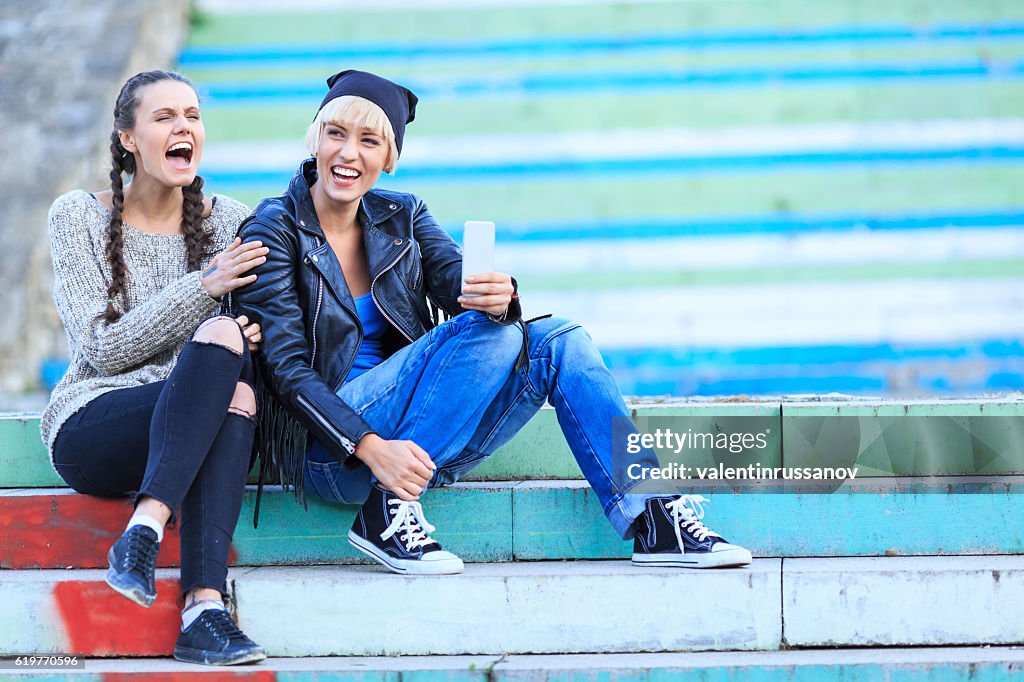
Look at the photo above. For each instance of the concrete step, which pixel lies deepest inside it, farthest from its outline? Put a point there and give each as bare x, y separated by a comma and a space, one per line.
881, 438
545, 607
947, 664
547, 520
542, 607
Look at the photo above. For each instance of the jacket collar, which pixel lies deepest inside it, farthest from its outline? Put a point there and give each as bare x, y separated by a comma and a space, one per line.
381, 247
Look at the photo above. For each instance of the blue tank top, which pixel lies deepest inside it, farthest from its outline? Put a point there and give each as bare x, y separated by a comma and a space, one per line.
371, 350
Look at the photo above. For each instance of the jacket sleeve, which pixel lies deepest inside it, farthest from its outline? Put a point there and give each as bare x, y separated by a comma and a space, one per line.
442, 266
80, 294
272, 301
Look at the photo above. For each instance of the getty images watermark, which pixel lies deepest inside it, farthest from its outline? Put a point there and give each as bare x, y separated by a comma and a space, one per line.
667, 440
817, 453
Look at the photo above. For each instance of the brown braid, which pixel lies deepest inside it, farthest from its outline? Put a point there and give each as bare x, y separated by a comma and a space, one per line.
197, 240
121, 162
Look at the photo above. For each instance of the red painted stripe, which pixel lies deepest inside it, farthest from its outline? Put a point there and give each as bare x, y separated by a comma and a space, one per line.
69, 531
100, 622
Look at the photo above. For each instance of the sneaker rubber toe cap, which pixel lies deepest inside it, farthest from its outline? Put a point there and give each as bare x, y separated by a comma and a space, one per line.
441, 559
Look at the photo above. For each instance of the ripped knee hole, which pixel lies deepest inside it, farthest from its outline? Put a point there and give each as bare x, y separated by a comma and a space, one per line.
207, 342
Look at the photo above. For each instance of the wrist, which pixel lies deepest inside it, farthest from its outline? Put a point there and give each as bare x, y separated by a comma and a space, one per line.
515, 297
365, 448
208, 290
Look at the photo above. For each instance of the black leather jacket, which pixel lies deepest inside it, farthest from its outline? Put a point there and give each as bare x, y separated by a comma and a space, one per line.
311, 332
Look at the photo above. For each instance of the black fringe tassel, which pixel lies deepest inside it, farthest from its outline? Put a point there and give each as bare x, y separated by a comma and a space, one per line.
281, 447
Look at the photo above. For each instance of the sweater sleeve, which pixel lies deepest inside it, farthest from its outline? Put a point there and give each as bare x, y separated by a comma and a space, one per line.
80, 293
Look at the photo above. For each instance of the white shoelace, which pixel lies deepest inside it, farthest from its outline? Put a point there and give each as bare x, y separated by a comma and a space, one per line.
410, 520
687, 513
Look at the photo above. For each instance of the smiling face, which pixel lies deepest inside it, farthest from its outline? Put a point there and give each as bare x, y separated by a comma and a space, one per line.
167, 137
349, 160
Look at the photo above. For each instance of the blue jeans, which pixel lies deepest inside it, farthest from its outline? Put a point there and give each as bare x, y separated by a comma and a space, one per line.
453, 392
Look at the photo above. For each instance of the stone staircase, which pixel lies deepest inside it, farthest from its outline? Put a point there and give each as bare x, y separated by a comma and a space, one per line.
841, 584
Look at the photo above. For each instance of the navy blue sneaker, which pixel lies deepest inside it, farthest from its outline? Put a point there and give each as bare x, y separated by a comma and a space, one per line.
132, 561
214, 639
670, 533
396, 534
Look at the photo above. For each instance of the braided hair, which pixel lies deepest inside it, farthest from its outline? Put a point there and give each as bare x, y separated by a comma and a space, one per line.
197, 240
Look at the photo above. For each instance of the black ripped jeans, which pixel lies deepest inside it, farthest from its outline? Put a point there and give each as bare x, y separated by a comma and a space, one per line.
175, 441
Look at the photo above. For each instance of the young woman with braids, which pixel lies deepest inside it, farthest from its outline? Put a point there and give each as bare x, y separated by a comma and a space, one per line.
157, 402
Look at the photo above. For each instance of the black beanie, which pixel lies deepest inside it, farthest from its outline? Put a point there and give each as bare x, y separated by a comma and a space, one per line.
398, 103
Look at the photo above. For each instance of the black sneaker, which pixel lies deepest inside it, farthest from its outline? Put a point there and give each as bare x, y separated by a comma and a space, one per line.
395, 533
214, 639
132, 561
670, 533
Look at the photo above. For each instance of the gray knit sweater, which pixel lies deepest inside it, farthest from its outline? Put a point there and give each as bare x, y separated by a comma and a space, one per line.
164, 303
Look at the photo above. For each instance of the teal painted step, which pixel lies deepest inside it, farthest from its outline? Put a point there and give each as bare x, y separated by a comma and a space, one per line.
476, 518
537, 452
564, 519
983, 437
908, 439
23, 458
555, 520
977, 664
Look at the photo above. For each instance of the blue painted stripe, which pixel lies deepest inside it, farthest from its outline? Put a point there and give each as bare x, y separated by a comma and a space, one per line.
750, 224
284, 55
875, 379
811, 358
852, 384
877, 384
244, 93
680, 165
965, 368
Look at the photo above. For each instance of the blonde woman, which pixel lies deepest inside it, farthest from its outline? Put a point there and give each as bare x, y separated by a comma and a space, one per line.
389, 401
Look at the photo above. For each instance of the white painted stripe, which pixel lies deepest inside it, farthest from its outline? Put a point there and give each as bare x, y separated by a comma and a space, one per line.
641, 144
334, 6
792, 314
518, 607
885, 601
761, 251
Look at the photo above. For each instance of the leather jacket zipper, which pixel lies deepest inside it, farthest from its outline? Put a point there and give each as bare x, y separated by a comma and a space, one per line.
327, 426
316, 314
374, 296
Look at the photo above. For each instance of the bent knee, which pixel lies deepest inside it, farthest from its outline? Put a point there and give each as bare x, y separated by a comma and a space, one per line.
552, 327
243, 401
223, 331
562, 333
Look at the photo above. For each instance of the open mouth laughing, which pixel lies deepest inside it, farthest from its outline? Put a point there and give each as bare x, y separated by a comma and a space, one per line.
180, 155
344, 175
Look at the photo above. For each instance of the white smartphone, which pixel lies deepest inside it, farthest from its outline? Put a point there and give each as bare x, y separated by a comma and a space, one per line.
477, 249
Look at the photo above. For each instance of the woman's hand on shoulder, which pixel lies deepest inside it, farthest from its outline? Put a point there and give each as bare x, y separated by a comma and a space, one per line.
495, 292
227, 271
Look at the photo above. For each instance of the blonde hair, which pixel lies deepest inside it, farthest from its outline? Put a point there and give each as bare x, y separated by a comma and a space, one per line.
354, 110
